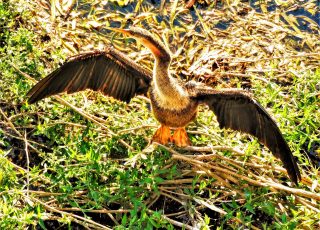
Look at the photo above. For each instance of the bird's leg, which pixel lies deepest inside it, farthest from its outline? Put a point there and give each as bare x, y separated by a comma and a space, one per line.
180, 138
162, 135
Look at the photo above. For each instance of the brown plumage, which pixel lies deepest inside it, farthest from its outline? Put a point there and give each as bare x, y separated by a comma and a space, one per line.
109, 72
174, 103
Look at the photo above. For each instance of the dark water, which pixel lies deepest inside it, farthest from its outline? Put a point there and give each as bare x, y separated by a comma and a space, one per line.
300, 11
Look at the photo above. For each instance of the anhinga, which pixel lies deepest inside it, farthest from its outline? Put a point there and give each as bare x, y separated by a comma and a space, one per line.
174, 104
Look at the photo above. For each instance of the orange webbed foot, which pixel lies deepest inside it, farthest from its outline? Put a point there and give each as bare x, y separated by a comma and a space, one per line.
162, 135
180, 138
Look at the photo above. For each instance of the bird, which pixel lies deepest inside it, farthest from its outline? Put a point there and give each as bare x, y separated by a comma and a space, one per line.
174, 102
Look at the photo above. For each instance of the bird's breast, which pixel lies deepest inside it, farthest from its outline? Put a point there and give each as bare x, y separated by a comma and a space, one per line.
169, 94
173, 112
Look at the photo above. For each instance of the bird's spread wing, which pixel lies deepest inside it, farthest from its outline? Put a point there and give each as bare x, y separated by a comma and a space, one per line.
235, 109
107, 71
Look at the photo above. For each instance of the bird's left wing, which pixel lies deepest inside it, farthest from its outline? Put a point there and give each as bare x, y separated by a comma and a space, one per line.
235, 109
108, 71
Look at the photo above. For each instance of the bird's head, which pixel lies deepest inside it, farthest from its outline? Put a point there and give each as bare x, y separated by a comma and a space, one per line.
159, 50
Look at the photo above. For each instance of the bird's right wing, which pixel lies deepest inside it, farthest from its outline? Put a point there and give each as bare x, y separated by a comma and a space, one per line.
109, 71
237, 110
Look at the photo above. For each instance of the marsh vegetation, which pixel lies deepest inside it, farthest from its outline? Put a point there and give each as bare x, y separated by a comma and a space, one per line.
83, 161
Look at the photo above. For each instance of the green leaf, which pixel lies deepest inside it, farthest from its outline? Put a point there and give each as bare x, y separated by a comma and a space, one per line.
124, 219
249, 207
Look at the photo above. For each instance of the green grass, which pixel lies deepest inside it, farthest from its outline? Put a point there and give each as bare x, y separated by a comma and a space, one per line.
59, 169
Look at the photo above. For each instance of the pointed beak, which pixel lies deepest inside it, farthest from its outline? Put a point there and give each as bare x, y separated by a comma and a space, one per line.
123, 31
144, 40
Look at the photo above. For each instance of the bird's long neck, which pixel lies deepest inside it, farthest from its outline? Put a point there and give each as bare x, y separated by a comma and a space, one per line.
163, 82
168, 92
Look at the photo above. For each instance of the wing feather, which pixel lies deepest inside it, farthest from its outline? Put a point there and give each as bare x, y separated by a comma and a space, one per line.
109, 71
236, 110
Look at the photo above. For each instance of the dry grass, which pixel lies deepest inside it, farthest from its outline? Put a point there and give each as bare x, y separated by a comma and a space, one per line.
224, 180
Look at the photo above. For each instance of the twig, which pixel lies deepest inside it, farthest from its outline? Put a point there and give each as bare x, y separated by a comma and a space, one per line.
211, 148
10, 123
136, 128
30, 142
178, 181
52, 209
174, 222
263, 183
240, 60
102, 211
28, 161
296, 191
308, 204
153, 200
173, 198
221, 211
